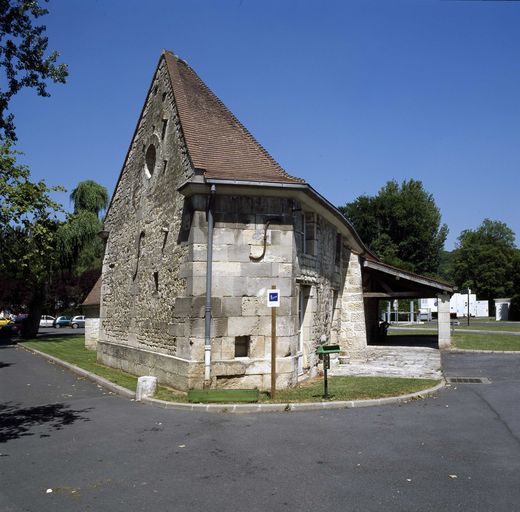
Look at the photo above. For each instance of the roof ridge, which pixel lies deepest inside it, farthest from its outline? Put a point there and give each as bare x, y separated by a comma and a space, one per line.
241, 127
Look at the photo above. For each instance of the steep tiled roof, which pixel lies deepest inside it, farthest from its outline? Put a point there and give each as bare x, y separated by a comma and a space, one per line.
94, 296
216, 140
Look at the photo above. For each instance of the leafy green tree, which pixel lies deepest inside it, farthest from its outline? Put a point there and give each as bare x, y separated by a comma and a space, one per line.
485, 258
401, 224
79, 245
28, 222
23, 45
28, 225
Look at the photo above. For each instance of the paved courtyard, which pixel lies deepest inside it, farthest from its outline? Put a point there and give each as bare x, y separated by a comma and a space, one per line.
67, 445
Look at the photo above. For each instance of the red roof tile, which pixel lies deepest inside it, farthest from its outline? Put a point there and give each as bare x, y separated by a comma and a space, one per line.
216, 140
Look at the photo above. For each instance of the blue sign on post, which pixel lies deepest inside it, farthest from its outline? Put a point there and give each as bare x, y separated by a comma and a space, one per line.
273, 298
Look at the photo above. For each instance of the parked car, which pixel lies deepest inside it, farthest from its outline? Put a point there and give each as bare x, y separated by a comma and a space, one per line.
8, 330
47, 321
78, 321
61, 321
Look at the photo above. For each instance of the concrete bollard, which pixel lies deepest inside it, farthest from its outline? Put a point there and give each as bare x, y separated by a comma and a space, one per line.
146, 387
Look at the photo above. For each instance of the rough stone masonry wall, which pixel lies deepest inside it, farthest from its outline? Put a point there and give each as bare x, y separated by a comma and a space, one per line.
145, 250
321, 274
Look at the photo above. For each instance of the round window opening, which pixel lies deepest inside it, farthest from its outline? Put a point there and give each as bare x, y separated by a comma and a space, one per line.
150, 160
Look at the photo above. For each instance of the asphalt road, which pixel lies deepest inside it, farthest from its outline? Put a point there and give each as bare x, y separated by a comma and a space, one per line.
457, 451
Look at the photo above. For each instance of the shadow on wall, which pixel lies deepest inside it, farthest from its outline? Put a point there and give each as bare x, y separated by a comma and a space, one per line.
16, 422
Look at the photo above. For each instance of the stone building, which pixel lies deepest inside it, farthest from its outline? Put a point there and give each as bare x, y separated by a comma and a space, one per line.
202, 223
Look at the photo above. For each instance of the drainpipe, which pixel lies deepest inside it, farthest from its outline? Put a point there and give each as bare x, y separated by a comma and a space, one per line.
207, 317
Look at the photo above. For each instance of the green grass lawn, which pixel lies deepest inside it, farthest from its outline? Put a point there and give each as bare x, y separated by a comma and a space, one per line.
479, 341
488, 326
72, 350
472, 341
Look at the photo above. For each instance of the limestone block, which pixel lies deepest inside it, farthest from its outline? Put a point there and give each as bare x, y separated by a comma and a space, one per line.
182, 307
227, 345
146, 387
257, 287
238, 253
228, 368
255, 306
285, 326
224, 236
231, 306
198, 235
255, 269
257, 348
282, 269
242, 326
227, 268
219, 327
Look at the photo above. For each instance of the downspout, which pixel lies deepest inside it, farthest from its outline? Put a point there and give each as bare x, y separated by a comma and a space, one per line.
209, 270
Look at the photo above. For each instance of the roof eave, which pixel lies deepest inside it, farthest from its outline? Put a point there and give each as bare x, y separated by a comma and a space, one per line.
301, 192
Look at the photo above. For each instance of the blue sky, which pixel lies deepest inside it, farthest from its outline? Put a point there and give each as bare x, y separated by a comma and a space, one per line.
345, 94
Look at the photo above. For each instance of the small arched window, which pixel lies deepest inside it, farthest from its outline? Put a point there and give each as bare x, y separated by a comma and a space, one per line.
150, 159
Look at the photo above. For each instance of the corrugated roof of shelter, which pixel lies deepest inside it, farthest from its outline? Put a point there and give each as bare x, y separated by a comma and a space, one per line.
94, 296
216, 140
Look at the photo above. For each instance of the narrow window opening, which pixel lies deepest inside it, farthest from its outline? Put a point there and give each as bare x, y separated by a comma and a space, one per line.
242, 344
163, 96
156, 280
155, 89
164, 125
337, 258
309, 239
165, 163
150, 161
140, 244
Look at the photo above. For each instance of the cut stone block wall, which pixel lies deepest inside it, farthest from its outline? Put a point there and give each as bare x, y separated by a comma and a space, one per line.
91, 333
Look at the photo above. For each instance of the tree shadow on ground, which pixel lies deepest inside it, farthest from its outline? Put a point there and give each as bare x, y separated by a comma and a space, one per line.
16, 422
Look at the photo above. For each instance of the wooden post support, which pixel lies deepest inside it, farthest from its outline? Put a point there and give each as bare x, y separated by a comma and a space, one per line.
273, 350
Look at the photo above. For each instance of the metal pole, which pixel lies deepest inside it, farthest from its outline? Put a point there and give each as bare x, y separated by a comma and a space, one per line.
325, 381
273, 350
207, 314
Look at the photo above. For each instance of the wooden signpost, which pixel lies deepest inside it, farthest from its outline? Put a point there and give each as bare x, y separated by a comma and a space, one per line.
273, 301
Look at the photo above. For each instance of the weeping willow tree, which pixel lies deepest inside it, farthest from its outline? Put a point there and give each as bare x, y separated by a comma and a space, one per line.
79, 245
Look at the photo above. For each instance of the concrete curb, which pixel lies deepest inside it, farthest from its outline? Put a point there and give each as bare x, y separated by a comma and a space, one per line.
295, 406
241, 408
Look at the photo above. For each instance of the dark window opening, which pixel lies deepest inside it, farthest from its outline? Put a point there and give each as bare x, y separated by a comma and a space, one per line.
150, 160
310, 242
163, 130
337, 258
165, 163
163, 96
242, 346
156, 280
140, 244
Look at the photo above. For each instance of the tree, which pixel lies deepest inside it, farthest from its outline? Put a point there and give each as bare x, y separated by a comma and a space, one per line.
28, 225
485, 259
402, 224
22, 57
79, 245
